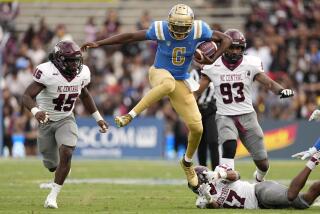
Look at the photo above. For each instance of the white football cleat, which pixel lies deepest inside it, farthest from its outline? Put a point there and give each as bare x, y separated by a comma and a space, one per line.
51, 202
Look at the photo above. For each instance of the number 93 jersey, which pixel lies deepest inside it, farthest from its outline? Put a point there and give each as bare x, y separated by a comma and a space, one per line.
233, 88
175, 55
59, 95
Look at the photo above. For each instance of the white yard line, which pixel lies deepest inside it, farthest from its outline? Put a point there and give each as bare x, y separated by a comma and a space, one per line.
140, 181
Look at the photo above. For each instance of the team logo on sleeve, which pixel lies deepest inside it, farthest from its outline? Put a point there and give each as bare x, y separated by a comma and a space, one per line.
248, 74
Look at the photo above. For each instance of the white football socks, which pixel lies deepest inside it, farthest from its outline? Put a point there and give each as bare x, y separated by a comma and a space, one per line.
132, 113
55, 189
189, 160
260, 174
228, 162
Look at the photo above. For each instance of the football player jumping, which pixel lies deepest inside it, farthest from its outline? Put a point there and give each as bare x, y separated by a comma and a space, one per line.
232, 76
56, 86
177, 40
223, 189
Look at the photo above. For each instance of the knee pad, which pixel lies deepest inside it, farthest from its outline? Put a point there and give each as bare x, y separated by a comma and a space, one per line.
229, 148
168, 85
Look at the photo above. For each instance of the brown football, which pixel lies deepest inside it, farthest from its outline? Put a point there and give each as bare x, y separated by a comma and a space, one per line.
206, 48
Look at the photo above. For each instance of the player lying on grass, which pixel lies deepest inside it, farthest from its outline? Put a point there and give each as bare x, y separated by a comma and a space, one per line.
223, 188
316, 146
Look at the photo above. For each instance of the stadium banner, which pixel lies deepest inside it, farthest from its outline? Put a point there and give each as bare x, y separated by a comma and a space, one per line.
143, 138
284, 138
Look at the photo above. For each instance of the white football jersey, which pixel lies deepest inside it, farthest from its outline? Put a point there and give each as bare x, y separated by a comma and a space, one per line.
233, 88
59, 95
238, 194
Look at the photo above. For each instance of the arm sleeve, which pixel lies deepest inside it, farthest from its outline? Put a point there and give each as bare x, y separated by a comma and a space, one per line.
257, 66
207, 32
206, 70
39, 75
87, 78
151, 32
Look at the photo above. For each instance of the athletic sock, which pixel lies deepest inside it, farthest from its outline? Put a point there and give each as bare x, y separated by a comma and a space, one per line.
132, 113
186, 159
261, 174
228, 161
55, 189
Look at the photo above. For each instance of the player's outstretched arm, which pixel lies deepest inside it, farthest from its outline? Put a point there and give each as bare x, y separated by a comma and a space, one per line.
273, 86
308, 153
28, 101
224, 40
122, 38
91, 107
204, 83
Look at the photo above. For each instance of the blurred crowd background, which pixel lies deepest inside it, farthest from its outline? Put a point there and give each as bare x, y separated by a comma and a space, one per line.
285, 34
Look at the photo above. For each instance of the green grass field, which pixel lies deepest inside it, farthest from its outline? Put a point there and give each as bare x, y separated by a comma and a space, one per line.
20, 192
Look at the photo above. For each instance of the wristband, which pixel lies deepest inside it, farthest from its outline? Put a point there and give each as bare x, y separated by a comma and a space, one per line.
97, 116
35, 110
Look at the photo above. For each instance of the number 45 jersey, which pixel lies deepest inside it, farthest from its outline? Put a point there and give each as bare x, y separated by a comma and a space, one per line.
233, 88
59, 95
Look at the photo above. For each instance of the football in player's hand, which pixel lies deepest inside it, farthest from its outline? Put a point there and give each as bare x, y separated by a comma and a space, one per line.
205, 48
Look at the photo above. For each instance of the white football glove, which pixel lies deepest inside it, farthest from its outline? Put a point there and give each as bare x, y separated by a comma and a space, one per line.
305, 154
315, 115
285, 93
201, 202
204, 190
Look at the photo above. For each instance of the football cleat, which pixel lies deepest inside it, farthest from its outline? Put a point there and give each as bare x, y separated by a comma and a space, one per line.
180, 21
124, 120
51, 202
192, 177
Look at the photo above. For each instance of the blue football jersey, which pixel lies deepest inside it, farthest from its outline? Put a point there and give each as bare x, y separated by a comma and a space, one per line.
176, 55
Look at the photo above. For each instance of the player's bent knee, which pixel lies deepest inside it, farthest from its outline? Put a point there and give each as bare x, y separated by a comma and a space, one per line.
168, 85
196, 129
66, 153
263, 165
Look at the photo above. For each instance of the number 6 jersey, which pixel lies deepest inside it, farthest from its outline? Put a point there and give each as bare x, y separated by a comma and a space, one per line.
59, 95
233, 88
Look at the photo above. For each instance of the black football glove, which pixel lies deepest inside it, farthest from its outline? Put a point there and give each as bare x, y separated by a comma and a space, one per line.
285, 93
